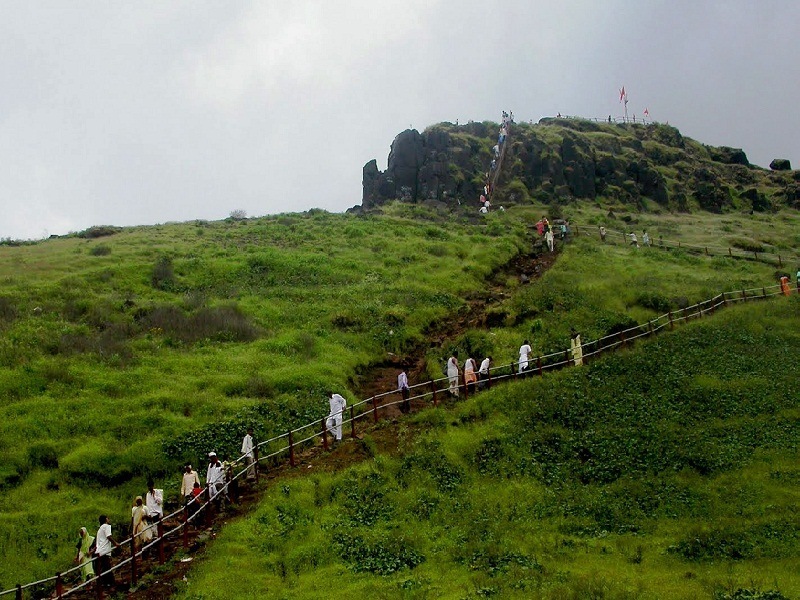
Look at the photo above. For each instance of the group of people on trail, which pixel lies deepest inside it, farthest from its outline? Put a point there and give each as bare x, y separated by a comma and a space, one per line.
475, 377
505, 127
546, 231
634, 240
93, 553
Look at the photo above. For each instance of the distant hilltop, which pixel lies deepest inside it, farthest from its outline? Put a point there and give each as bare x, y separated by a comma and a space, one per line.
560, 159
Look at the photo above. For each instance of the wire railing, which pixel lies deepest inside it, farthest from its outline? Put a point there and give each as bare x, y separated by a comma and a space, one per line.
316, 434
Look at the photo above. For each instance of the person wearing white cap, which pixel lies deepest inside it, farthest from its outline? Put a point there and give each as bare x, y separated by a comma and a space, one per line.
215, 475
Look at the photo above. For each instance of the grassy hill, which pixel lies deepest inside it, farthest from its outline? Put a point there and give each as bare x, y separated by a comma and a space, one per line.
125, 353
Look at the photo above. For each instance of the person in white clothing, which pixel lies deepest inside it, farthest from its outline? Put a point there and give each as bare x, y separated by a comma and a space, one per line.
335, 417
215, 476
524, 352
548, 238
483, 372
104, 543
405, 392
154, 502
248, 450
452, 374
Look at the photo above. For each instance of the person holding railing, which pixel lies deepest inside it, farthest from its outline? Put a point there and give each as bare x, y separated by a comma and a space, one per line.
104, 543
483, 372
215, 476
190, 477
575, 347
470, 378
139, 524
154, 501
249, 455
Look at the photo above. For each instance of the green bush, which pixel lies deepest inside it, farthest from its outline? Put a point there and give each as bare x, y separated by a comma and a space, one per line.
100, 250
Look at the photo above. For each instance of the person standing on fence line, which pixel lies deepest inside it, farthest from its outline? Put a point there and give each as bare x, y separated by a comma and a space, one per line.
549, 240
84, 554
104, 543
215, 476
576, 347
524, 352
452, 374
634, 241
483, 372
602, 234
188, 480
154, 501
645, 238
402, 385
335, 417
785, 290
540, 227
248, 450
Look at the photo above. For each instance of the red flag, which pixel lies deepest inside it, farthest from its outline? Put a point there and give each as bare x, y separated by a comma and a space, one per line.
646, 113
622, 93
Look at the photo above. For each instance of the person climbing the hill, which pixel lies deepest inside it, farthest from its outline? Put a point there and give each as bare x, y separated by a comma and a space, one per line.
483, 372
540, 227
563, 230
84, 554
405, 392
154, 502
452, 374
470, 378
785, 289
248, 451
190, 477
575, 347
602, 234
104, 543
549, 240
496, 150
645, 238
140, 529
545, 224
634, 241
215, 477
524, 352
334, 422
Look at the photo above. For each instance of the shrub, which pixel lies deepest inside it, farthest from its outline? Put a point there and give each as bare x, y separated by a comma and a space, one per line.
99, 231
8, 311
382, 557
43, 455
100, 250
163, 275
223, 323
238, 214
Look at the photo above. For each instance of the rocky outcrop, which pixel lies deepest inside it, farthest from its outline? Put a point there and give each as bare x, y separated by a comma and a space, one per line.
559, 159
780, 164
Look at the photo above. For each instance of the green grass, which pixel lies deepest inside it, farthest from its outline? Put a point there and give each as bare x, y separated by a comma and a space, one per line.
663, 472
110, 374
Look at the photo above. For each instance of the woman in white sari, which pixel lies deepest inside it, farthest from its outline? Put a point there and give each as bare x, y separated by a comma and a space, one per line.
140, 529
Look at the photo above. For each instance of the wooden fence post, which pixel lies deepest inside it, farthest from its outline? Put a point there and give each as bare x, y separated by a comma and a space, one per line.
324, 434
98, 588
433, 391
744, 295
671, 324
59, 586
764, 292
134, 572
730, 253
291, 448
466, 391
18, 594
160, 533
539, 365
650, 328
352, 422
706, 250
256, 462
780, 262
186, 527
374, 410
622, 338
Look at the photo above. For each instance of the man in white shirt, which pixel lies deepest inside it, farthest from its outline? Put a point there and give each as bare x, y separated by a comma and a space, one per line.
215, 476
524, 352
104, 544
402, 385
154, 502
248, 450
334, 421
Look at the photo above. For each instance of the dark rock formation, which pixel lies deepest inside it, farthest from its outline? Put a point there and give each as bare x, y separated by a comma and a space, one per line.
780, 164
727, 155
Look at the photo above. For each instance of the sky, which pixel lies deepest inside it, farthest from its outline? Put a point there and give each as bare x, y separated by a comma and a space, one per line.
131, 113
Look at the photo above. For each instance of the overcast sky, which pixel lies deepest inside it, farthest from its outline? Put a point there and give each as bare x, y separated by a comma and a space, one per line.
128, 113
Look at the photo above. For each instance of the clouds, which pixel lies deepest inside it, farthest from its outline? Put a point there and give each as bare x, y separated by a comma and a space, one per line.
145, 113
